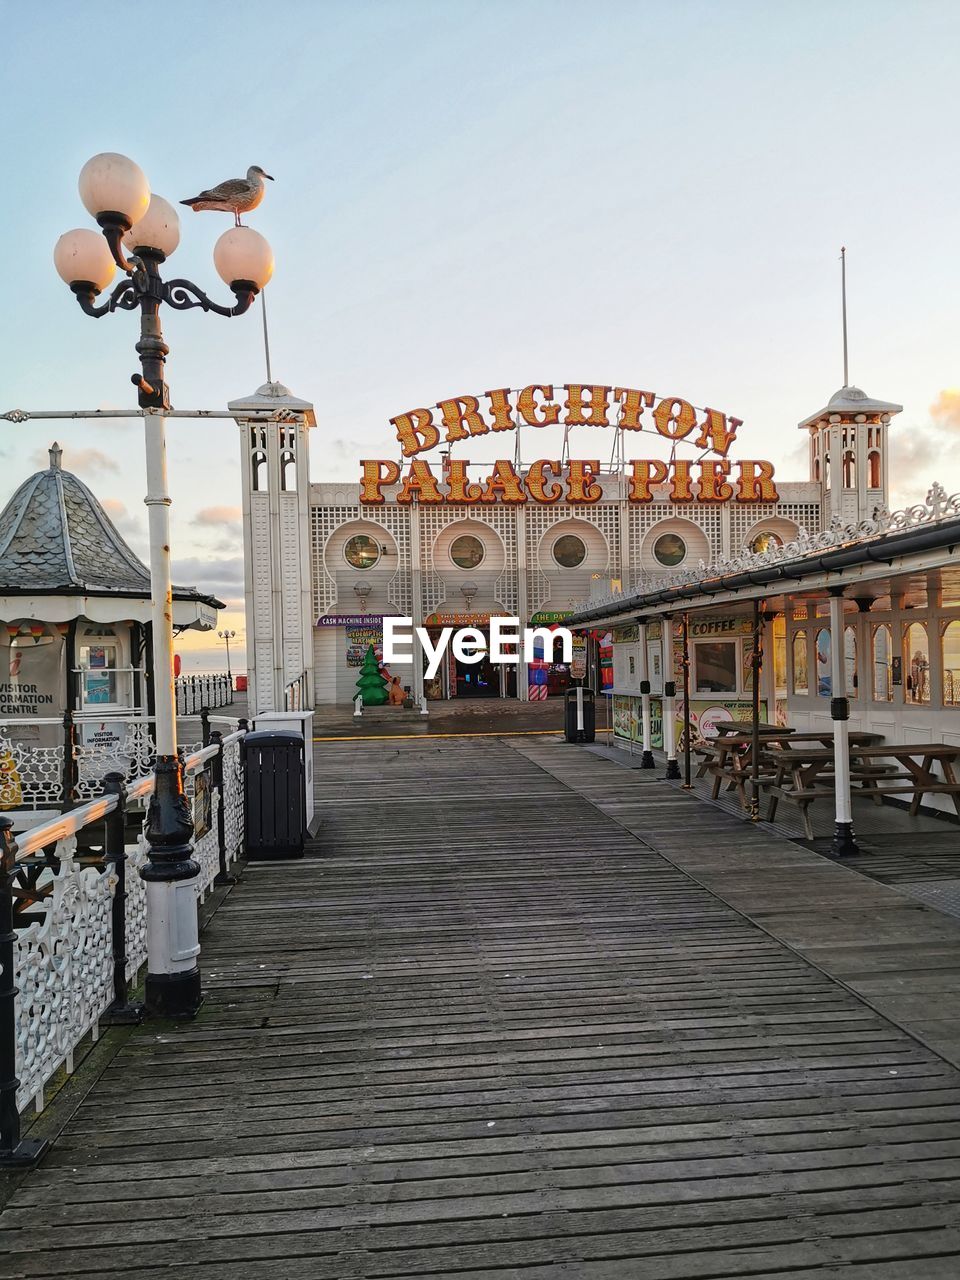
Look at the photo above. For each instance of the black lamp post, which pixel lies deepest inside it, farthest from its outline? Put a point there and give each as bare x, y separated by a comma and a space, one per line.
115, 191
228, 636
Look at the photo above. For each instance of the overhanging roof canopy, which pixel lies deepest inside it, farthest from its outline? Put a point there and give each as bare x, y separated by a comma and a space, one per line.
858, 559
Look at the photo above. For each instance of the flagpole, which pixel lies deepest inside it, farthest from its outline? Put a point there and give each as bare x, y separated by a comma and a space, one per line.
843, 293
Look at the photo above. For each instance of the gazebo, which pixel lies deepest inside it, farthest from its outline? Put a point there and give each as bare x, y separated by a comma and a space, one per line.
75, 611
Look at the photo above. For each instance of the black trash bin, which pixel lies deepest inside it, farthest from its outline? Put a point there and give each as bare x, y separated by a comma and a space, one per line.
275, 817
587, 731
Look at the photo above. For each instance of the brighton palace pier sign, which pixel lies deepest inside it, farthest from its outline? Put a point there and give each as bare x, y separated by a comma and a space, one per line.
706, 479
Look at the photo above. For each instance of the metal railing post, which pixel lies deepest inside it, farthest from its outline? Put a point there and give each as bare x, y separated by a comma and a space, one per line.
205, 726
70, 772
120, 1012
216, 779
15, 1151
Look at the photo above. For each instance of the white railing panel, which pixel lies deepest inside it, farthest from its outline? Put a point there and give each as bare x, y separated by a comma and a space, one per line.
232, 797
64, 970
31, 775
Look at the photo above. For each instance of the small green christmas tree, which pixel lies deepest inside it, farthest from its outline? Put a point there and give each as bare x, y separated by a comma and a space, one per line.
372, 685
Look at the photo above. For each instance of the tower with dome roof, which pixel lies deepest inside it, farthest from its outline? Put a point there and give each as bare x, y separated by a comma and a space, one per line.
276, 535
849, 454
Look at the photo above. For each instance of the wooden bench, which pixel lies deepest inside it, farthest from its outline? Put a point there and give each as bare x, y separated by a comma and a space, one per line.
732, 758
905, 769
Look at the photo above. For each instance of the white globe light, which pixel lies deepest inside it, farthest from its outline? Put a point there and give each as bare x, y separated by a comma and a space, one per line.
110, 183
159, 228
84, 255
243, 254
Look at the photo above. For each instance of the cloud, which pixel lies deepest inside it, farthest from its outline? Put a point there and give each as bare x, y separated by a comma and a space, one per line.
946, 408
121, 517
88, 460
222, 576
921, 453
218, 516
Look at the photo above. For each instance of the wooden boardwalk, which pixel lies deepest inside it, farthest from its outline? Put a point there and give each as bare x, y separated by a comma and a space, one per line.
485, 1030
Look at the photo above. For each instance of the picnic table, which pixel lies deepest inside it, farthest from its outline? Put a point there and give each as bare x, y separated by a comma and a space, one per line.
725, 727
804, 775
730, 759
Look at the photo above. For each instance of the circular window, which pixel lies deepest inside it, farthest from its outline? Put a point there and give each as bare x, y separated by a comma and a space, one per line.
669, 549
569, 551
361, 551
466, 552
765, 541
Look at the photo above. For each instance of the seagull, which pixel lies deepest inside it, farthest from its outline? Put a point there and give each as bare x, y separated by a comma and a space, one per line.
236, 195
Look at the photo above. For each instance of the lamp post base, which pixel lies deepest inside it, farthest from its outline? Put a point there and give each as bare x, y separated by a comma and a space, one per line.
126, 1015
170, 875
673, 771
27, 1153
174, 995
647, 760
843, 844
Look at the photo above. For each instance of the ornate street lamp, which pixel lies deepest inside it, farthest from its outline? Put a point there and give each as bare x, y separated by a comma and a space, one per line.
228, 636
116, 192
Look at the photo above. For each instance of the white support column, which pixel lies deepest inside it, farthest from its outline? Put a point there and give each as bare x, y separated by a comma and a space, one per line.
843, 841
170, 874
669, 702
646, 759
523, 600
416, 606
275, 471
157, 503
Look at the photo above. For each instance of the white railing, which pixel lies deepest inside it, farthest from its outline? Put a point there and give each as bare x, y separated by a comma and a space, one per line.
64, 759
295, 694
73, 925
199, 693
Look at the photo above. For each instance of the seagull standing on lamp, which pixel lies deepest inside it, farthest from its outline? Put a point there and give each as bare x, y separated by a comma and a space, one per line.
116, 192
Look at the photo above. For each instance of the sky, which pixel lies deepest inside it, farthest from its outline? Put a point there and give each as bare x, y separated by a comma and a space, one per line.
472, 195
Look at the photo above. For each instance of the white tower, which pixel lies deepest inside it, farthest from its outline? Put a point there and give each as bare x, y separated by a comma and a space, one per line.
275, 464
848, 454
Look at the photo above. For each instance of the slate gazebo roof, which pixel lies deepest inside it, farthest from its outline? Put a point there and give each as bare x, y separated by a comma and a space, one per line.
56, 539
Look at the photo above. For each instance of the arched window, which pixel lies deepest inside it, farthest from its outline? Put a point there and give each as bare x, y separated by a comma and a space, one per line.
816, 468
258, 470
916, 662
851, 675
950, 649
874, 480
882, 664
849, 470
800, 681
288, 470
823, 661
780, 653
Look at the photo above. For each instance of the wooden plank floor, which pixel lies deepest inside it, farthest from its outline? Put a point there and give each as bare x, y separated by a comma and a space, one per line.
484, 1030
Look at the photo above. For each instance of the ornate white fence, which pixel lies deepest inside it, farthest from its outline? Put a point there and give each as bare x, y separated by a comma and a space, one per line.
64, 760
73, 922
197, 693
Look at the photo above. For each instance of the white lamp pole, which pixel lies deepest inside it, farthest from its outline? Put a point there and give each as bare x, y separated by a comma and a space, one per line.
116, 192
